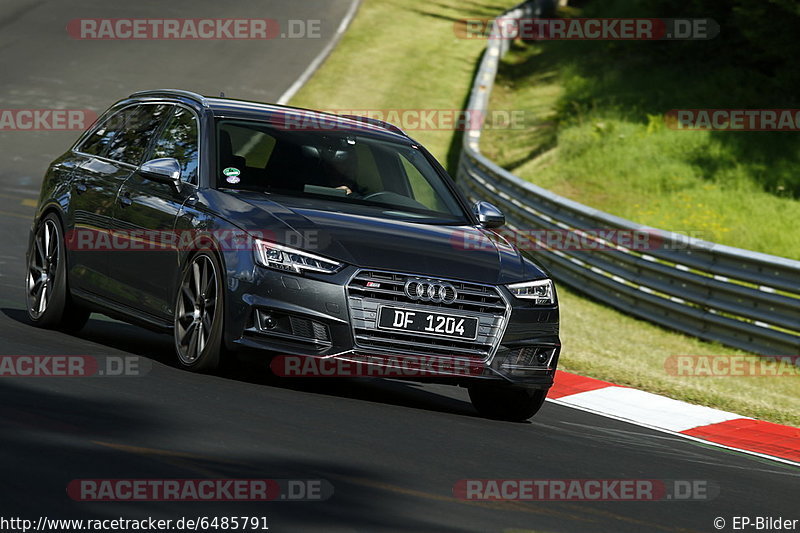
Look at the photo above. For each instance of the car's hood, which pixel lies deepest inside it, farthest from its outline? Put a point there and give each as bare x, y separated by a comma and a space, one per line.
457, 252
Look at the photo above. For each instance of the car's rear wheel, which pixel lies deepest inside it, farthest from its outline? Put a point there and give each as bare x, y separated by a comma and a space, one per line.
199, 314
510, 403
49, 303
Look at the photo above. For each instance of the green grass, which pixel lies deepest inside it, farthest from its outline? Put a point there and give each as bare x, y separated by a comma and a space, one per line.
404, 54
595, 133
400, 54
605, 344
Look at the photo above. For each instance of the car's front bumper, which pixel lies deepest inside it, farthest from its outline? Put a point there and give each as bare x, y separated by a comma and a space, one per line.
314, 316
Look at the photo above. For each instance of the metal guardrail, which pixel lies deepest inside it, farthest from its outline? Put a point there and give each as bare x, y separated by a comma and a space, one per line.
740, 298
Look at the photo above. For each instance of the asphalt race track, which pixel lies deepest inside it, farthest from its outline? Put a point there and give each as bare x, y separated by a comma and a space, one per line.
392, 451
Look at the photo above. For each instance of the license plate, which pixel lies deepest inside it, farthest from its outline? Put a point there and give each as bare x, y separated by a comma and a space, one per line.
457, 327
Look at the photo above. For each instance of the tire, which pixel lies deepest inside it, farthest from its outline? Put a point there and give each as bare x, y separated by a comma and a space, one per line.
199, 306
47, 298
514, 404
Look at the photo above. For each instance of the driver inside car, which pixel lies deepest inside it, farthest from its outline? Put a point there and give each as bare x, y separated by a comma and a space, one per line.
338, 163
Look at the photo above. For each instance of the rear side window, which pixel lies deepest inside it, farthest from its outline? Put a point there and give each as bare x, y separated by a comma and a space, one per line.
141, 123
179, 139
97, 143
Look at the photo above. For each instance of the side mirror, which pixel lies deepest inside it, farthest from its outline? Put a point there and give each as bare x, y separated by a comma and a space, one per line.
488, 215
165, 170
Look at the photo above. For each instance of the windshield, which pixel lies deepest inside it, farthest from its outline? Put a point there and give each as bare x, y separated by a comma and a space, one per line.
335, 170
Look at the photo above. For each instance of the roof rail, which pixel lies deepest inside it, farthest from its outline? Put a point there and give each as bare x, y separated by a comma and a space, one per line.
375, 122
199, 98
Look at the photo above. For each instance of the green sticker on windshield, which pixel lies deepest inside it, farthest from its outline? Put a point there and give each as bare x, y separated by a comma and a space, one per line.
231, 172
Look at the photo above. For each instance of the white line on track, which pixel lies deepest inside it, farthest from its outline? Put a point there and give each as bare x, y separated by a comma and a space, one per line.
640, 406
558, 401
308, 72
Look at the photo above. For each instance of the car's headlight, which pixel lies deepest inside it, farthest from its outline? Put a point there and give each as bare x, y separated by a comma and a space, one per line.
540, 292
272, 255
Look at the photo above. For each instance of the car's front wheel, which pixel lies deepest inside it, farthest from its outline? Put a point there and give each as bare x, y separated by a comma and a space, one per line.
49, 303
199, 314
506, 402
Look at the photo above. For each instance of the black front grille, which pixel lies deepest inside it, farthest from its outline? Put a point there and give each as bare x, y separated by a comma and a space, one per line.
371, 289
471, 296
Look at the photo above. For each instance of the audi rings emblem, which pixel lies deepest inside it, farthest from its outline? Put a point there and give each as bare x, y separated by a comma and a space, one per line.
427, 290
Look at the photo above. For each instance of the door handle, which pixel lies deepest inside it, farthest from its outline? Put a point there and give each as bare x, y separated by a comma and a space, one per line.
80, 187
125, 200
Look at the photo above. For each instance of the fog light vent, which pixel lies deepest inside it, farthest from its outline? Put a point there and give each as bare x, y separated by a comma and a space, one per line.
309, 329
530, 356
286, 325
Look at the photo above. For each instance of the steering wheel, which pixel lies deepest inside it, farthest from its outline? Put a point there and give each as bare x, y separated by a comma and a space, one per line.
375, 195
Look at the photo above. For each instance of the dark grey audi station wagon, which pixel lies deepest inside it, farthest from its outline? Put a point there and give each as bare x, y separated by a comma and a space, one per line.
236, 225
